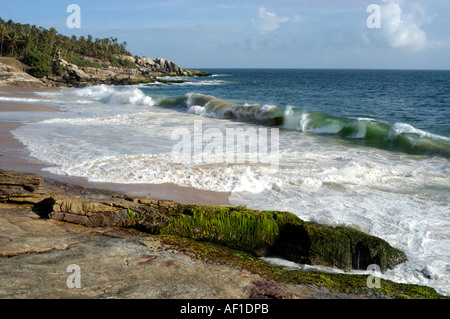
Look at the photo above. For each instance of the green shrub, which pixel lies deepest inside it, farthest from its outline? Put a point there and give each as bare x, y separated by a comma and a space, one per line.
127, 64
57, 69
121, 63
39, 63
114, 61
82, 62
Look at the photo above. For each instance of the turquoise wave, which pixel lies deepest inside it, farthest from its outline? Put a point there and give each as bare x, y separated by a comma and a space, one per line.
369, 132
400, 137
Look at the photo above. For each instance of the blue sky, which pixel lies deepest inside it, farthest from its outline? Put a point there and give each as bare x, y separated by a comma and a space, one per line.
256, 34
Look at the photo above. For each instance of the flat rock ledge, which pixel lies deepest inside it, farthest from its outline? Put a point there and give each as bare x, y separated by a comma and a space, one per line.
12, 76
138, 247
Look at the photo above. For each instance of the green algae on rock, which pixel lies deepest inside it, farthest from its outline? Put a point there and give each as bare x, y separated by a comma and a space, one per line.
235, 227
260, 233
346, 283
264, 232
227, 235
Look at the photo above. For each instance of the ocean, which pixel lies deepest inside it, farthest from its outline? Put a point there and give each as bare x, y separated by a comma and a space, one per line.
368, 149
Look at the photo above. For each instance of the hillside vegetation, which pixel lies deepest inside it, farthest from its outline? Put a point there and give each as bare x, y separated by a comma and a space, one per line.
63, 60
37, 46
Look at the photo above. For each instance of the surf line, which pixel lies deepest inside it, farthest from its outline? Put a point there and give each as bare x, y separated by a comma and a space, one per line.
237, 145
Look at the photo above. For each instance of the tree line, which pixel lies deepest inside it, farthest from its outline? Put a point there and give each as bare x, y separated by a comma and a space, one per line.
37, 45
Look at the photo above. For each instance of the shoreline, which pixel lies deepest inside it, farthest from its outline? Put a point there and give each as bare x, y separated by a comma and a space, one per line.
13, 155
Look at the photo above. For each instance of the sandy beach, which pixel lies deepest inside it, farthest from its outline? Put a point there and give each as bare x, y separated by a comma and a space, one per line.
14, 156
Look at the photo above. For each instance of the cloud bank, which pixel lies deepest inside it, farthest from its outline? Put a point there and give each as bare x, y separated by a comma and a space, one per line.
268, 21
399, 30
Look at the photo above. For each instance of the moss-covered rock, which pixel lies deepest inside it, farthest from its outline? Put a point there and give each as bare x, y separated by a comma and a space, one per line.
262, 233
347, 283
341, 247
235, 227
367, 250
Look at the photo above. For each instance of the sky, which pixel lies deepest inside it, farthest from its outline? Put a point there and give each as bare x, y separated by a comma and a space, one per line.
397, 34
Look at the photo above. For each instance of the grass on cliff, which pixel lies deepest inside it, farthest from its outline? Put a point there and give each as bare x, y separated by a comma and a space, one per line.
14, 62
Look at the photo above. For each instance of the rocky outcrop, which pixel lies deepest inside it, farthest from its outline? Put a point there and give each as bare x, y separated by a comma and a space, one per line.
117, 263
260, 233
12, 76
13, 183
158, 66
145, 69
264, 233
73, 75
178, 251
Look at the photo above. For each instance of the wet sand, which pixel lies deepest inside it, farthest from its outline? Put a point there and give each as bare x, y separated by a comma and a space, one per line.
14, 156
6, 106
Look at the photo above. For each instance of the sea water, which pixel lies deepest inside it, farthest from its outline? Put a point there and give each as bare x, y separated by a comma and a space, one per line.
368, 149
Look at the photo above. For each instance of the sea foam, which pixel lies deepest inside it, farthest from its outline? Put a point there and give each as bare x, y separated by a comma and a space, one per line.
114, 95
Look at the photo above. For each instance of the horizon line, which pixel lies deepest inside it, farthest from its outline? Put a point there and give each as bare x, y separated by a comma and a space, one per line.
314, 68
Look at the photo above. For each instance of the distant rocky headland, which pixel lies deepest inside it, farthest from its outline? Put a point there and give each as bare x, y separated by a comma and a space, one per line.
146, 71
37, 57
15, 73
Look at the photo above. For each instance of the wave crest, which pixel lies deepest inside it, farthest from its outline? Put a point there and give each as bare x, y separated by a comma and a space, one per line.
365, 131
210, 106
398, 136
108, 94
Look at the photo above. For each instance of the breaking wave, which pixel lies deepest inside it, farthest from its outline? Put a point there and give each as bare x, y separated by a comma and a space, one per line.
400, 137
114, 95
364, 131
210, 106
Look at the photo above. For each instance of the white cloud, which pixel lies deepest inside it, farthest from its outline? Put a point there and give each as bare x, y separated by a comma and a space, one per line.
268, 21
400, 30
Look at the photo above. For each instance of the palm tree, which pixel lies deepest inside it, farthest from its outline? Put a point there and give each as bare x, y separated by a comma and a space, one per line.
52, 37
59, 44
105, 49
27, 41
3, 35
35, 36
18, 39
14, 40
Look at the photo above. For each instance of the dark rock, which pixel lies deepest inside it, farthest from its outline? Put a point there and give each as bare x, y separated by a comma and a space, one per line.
341, 247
